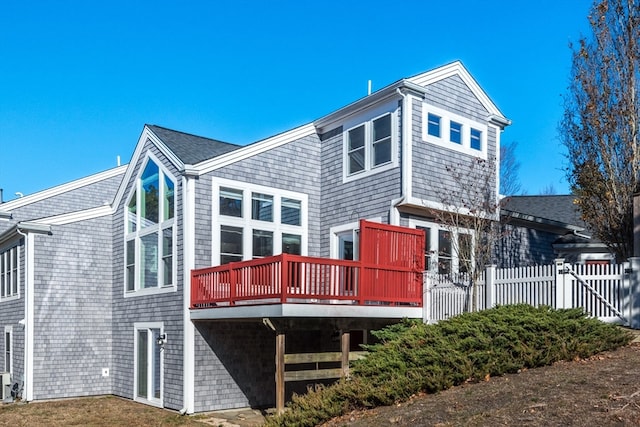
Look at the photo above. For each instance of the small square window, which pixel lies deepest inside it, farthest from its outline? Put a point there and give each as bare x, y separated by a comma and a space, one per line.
230, 202
476, 139
455, 132
230, 244
433, 125
290, 212
262, 243
262, 207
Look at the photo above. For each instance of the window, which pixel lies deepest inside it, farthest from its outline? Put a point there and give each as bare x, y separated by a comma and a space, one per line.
8, 348
9, 273
356, 149
148, 345
382, 140
255, 222
230, 244
150, 232
291, 244
433, 125
290, 212
455, 132
446, 251
476, 139
369, 146
230, 202
262, 207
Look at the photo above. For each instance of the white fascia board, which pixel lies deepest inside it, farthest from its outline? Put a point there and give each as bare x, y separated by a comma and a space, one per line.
76, 216
456, 68
69, 186
5, 215
326, 122
255, 149
33, 227
417, 203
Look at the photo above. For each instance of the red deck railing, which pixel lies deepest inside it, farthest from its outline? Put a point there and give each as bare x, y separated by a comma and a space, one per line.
299, 279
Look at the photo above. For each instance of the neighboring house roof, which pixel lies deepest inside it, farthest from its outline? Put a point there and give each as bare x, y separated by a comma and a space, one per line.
191, 149
557, 208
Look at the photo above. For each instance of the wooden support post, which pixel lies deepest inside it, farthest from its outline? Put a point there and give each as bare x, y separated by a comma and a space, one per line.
345, 344
279, 372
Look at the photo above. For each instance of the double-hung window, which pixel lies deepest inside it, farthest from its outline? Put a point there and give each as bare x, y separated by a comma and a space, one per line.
370, 145
9, 273
252, 221
150, 232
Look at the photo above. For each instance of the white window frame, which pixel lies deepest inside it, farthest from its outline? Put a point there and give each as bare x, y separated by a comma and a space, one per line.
446, 117
138, 326
8, 330
248, 224
158, 228
434, 228
7, 272
367, 120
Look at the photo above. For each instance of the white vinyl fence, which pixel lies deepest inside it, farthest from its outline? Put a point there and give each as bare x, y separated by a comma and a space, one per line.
609, 292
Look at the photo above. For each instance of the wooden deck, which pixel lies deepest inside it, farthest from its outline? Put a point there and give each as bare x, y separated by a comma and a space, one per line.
285, 279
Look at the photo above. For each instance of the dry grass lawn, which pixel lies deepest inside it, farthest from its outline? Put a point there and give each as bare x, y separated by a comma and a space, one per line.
99, 411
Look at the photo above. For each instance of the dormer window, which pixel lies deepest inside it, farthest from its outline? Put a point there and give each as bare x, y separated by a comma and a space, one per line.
370, 145
150, 231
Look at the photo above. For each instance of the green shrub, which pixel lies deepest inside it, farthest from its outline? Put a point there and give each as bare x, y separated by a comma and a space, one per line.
413, 357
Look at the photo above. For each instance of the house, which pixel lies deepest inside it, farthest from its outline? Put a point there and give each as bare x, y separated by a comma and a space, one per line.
540, 229
121, 282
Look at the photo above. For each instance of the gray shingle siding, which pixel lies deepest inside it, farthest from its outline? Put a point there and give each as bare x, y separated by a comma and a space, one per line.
89, 196
166, 307
430, 178
523, 246
72, 312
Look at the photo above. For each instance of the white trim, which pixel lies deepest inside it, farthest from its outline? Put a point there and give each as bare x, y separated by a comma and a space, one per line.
445, 124
254, 149
248, 224
498, 132
77, 216
137, 326
456, 68
60, 189
29, 317
406, 138
434, 228
11, 251
188, 244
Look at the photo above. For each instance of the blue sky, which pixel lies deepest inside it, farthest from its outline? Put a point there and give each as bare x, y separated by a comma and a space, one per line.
79, 79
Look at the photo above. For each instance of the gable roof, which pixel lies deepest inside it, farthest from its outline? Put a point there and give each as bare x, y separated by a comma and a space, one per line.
191, 149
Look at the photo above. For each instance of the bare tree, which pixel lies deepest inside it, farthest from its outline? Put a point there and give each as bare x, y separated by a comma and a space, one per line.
549, 190
600, 125
509, 168
471, 209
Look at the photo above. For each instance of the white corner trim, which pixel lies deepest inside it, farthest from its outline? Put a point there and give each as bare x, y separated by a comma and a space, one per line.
78, 216
188, 355
29, 301
69, 186
255, 148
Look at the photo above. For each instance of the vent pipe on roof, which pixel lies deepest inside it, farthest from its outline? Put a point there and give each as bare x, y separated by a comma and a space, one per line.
369, 88
118, 160
1, 201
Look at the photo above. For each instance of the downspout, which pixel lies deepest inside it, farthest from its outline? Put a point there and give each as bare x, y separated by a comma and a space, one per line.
188, 253
28, 315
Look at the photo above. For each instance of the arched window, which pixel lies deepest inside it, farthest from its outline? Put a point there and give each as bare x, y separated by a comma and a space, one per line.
150, 230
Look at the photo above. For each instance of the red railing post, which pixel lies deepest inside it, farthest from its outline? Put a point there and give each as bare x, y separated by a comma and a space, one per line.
232, 283
284, 277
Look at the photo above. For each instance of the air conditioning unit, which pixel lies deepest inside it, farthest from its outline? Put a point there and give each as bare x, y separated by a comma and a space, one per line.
5, 386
